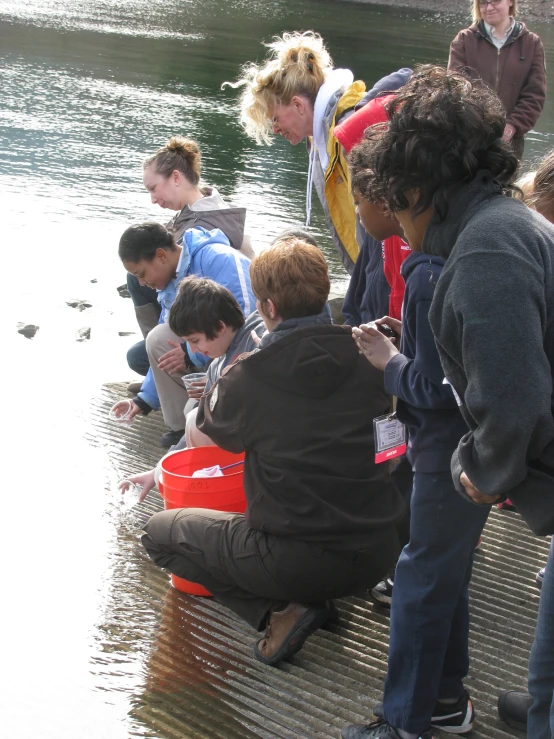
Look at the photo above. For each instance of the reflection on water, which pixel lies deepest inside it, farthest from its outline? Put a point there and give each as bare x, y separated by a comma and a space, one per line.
87, 90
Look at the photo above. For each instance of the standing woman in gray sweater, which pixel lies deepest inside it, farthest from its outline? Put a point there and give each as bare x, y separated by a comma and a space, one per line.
444, 170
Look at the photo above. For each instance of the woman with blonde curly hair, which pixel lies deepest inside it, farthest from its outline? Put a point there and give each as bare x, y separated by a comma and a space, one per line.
298, 93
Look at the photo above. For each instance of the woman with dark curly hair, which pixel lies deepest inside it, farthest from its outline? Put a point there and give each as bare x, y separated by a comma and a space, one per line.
445, 172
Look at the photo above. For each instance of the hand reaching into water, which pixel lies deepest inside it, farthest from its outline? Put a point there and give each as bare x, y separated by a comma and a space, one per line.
120, 411
143, 479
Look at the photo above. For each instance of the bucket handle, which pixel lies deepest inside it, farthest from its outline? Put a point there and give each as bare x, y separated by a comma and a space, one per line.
228, 466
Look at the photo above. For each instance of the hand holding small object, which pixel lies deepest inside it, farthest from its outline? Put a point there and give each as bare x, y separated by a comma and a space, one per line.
393, 324
377, 349
196, 389
124, 411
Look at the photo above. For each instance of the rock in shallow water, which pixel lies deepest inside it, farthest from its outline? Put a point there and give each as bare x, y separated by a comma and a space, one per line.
79, 304
83, 334
122, 290
27, 329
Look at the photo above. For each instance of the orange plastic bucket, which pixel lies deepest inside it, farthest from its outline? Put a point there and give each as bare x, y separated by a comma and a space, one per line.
180, 490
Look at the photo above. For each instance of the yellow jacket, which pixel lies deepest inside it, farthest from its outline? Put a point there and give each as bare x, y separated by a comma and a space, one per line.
339, 203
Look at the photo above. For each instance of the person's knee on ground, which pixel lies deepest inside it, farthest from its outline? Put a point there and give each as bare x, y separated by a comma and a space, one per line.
158, 532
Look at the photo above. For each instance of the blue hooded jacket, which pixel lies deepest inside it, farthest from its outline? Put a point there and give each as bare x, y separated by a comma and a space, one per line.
205, 254
425, 405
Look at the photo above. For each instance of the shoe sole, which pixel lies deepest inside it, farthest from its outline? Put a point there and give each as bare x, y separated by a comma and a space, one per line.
311, 621
461, 729
378, 713
454, 729
384, 603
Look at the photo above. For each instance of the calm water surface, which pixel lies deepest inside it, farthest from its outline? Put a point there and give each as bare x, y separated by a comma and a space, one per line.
87, 90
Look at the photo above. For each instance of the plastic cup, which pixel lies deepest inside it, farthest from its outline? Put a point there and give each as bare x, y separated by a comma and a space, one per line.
193, 377
121, 412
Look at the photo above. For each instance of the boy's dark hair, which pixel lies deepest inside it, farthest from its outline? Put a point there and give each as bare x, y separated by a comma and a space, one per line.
141, 241
443, 129
294, 232
201, 305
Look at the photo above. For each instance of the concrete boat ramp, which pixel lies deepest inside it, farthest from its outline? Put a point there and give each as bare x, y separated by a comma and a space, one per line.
196, 674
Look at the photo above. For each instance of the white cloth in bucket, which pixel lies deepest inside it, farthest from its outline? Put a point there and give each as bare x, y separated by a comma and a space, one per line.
214, 471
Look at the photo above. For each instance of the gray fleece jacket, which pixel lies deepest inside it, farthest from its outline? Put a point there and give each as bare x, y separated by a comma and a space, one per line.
211, 212
493, 320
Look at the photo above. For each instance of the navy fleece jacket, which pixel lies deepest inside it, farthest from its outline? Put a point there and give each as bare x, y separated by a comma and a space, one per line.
368, 293
425, 405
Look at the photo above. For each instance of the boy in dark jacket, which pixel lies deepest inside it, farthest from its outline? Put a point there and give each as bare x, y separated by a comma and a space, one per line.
320, 517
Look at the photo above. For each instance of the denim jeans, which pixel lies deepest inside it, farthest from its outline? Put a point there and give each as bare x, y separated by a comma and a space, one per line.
141, 295
137, 358
540, 719
429, 626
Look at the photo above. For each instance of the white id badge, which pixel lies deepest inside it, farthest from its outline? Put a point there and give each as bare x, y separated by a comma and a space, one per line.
390, 437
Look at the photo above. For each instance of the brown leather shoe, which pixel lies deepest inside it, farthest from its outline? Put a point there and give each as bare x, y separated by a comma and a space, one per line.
287, 631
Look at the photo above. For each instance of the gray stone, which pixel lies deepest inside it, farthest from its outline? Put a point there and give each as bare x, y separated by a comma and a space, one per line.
27, 329
83, 334
122, 290
126, 333
79, 304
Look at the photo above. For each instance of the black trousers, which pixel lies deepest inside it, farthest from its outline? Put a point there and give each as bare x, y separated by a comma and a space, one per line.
249, 571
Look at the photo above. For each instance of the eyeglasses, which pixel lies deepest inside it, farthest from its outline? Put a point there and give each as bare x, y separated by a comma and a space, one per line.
484, 3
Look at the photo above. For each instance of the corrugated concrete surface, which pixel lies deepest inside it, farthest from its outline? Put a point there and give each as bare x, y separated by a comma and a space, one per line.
199, 676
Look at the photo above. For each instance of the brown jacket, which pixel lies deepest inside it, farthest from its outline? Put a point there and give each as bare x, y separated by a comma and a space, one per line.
516, 72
